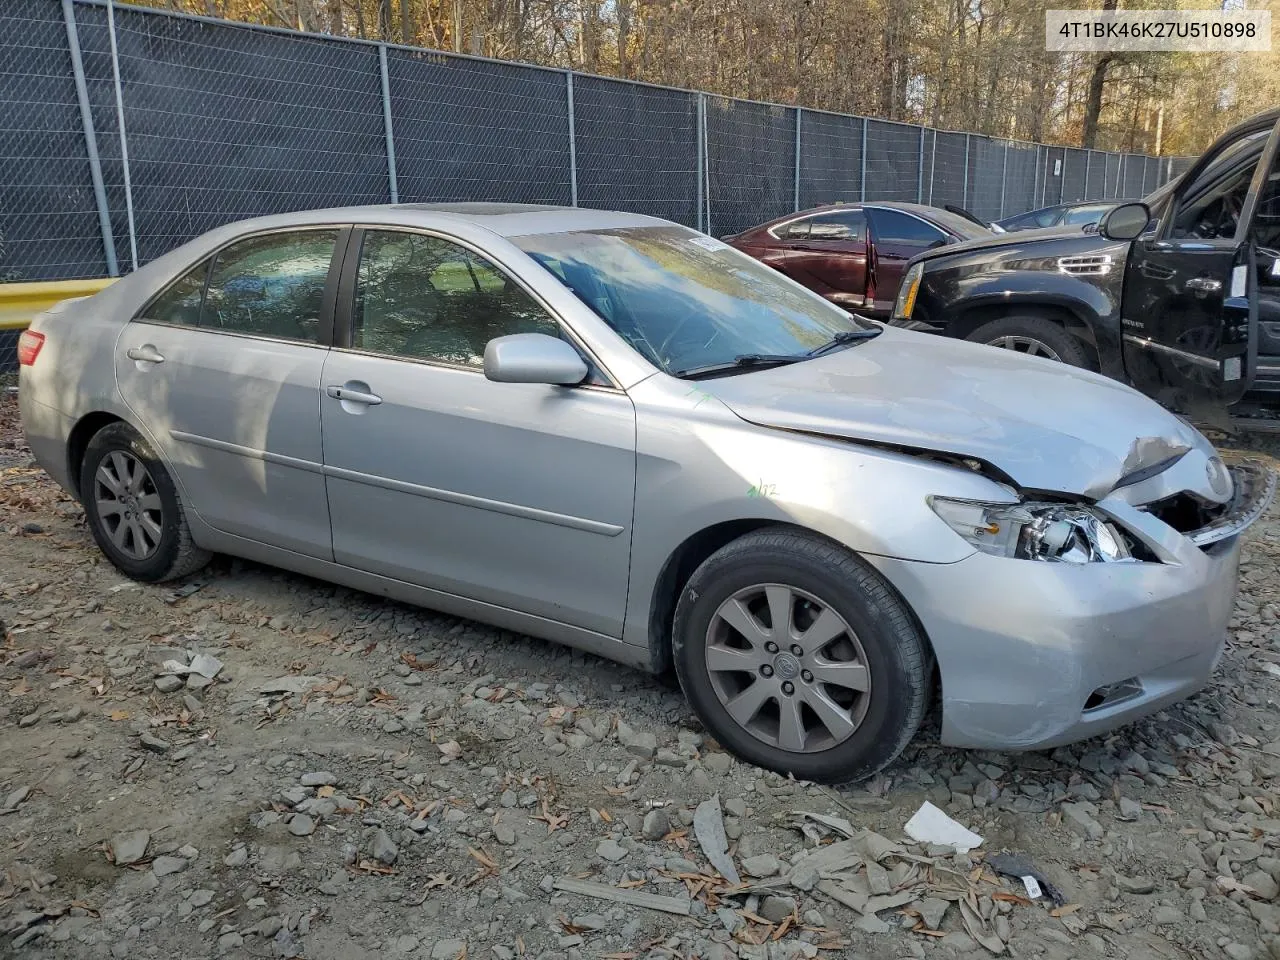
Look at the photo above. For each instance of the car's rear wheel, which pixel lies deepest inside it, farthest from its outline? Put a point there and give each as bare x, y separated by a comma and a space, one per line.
134, 510
1034, 336
798, 657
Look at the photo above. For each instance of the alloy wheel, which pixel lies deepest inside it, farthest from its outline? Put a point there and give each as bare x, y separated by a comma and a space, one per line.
787, 668
1028, 345
128, 504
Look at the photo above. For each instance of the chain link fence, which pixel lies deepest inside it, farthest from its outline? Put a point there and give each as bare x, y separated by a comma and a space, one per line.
125, 132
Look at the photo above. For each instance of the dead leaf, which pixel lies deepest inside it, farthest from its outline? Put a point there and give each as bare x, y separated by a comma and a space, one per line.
1011, 898
605, 815
487, 861
118, 715
325, 791
1064, 910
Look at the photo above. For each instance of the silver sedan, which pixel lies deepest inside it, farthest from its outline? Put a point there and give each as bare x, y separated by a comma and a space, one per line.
617, 433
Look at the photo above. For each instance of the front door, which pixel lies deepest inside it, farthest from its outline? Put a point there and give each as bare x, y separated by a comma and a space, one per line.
1190, 306
896, 237
223, 368
828, 254
518, 495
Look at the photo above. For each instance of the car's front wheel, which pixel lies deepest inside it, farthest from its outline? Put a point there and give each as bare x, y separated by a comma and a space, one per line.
1034, 336
134, 510
799, 658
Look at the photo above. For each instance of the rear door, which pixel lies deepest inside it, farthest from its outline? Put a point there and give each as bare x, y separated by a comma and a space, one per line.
223, 370
1191, 294
896, 237
828, 253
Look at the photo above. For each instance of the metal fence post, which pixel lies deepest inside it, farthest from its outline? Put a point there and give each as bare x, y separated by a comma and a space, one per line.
124, 139
573, 142
796, 199
965, 190
699, 135
920, 169
706, 160
1120, 175
933, 165
90, 140
862, 182
1004, 178
1062, 179
386, 124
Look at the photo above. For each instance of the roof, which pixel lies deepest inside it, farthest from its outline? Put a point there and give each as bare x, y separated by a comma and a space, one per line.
504, 219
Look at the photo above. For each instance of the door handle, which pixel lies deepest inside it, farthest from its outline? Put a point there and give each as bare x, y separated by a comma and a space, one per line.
145, 354
349, 395
1204, 285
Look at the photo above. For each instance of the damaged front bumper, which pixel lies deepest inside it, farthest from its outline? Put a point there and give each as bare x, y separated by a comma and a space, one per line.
1033, 655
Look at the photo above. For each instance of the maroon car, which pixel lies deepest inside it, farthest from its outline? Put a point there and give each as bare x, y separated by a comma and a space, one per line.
854, 254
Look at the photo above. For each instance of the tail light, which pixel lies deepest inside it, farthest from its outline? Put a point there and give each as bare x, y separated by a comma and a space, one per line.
29, 345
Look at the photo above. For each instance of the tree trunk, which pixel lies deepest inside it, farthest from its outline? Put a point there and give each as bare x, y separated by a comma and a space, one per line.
1093, 102
406, 26
624, 35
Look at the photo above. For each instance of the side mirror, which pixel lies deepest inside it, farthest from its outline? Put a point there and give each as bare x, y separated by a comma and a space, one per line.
533, 358
1125, 222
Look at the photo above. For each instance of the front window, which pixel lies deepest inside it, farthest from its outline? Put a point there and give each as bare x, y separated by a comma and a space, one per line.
684, 300
1090, 214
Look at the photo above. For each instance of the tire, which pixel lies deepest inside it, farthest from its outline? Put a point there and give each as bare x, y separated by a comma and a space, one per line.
1039, 331
880, 634
156, 544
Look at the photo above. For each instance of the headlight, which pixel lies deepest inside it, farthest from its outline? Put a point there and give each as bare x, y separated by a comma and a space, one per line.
907, 291
1063, 533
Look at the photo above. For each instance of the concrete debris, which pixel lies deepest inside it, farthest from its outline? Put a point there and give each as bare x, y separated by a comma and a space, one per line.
708, 827
931, 825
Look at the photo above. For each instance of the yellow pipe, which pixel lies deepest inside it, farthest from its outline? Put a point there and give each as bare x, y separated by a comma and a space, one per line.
19, 302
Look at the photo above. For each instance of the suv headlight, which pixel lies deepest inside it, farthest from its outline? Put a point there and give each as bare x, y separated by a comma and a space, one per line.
910, 286
1055, 532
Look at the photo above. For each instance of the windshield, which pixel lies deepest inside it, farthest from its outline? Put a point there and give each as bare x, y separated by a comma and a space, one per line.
685, 300
962, 227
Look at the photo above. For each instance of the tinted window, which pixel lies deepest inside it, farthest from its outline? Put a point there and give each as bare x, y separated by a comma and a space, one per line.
429, 299
845, 225
181, 302
796, 230
271, 286
891, 226
1209, 207
1091, 214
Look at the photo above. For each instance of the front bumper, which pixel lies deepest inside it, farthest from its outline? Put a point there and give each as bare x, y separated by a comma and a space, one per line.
1034, 655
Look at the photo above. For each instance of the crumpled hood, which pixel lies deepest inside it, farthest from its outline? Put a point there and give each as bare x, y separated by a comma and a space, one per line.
1048, 426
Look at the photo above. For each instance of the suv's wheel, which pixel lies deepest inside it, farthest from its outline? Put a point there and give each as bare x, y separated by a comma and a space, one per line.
1034, 336
799, 658
133, 508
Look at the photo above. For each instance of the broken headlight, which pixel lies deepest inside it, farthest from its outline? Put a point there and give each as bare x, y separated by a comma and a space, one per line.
1058, 532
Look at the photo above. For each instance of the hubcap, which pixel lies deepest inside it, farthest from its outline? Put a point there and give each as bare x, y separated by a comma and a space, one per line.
128, 504
801, 702
1028, 345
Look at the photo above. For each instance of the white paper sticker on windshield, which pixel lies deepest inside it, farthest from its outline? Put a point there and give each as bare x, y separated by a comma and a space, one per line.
708, 243
1237, 281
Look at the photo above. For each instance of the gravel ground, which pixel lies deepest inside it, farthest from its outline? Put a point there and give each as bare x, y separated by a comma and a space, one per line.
251, 763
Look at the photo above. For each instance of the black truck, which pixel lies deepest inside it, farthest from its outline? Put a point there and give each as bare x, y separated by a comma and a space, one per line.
1178, 295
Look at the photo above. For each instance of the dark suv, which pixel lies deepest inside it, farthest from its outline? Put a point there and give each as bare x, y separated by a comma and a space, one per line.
1179, 294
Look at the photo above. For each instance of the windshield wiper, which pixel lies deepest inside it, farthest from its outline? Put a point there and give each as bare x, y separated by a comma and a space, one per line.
846, 337
742, 361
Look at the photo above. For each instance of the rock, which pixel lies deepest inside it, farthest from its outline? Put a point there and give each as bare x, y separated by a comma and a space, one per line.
1166, 916
1138, 885
717, 763
1263, 883
30, 720
448, 949
237, 857
164, 866
1129, 809
1238, 951
656, 824
870, 923
230, 941
1079, 818
776, 909
15, 798
300, 825
932, 910
169, 683
763, 865
609, 849
128, 848
382, 849
504, 833
201, 898
153, 743
318, 778
643, 745
804, 877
